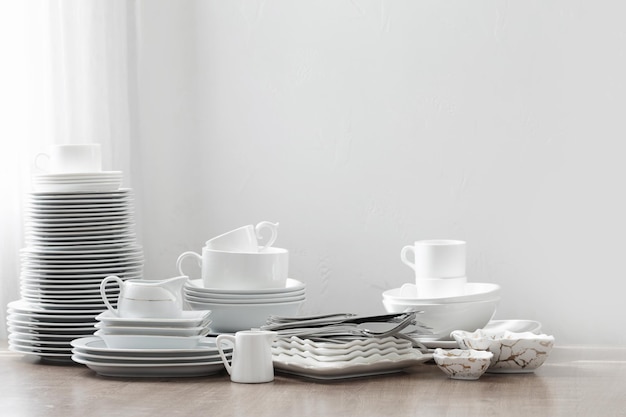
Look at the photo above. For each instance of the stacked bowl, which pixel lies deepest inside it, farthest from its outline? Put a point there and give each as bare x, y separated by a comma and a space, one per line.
242, 283
441, 292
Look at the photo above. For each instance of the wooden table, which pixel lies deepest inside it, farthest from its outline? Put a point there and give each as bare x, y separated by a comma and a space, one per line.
575, 381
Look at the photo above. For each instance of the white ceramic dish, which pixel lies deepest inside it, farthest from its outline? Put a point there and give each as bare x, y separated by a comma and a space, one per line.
230, 318
203, 299
148, 342
95, 345
512, 352
291, 285
474, 291
208, 356
188, 319
462, 364
153, 331
444, 318
225, 298
159, 370
350, 369
494, 326
343, 348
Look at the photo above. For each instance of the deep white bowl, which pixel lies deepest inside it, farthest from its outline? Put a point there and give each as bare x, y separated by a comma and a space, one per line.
444, 318
512, 352
473, 291
467, 364
230, 318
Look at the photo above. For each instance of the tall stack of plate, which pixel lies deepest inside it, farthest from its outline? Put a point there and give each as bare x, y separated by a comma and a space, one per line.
74, 239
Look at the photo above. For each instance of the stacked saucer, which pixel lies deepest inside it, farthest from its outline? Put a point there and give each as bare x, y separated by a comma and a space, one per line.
204, 359
94, 181
243, 282
76, 235
234, 310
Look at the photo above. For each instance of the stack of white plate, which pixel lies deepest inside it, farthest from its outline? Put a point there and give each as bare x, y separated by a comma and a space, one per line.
202, 360
90, 181
234, 310
185, 332
345, 359
74, 240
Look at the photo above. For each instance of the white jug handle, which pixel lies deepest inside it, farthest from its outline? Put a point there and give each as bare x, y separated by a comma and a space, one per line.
179, 261
103, 292
403, 258
38, 160
218, 343
267, 225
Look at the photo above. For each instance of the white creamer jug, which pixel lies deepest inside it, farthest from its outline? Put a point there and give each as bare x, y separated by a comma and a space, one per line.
141, 298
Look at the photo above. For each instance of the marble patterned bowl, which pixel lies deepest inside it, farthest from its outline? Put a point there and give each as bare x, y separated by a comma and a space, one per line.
512, 352
467, 364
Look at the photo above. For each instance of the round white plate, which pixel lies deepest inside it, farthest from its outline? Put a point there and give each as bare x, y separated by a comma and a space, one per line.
291, 285
230, 301
95, 345
26, 308
249, 298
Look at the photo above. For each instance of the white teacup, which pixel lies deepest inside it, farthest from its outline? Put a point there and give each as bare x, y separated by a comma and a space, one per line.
72, 159
436, 258
244, 239
241, 270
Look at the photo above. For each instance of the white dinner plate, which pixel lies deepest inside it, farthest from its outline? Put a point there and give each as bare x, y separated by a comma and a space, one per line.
153, 331
167, 370
95, 345
194, 318
249, 298
291, 285
204, 299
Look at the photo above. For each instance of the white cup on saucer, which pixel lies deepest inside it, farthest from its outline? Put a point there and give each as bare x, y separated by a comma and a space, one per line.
439, 267
244, 239
241, 270
72, 159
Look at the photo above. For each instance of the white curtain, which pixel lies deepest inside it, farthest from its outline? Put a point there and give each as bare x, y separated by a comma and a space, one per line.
67, 76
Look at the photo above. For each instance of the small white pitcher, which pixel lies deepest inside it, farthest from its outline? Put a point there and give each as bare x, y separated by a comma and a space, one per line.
252, 356
142, 298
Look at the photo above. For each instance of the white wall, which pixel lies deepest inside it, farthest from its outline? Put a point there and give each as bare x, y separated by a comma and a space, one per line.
365, 125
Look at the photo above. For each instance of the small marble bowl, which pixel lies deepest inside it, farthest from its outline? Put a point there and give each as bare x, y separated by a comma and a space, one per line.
468, 364
512, 352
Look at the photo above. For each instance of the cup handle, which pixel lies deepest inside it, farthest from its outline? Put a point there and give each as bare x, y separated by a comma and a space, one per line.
218, 343
267, 225
38, 159
103, 292
403, 258
179, 261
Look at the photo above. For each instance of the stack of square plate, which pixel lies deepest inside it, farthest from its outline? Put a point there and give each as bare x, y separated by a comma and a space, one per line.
74, 240
345, 358
153, 333
234, 310
199, 361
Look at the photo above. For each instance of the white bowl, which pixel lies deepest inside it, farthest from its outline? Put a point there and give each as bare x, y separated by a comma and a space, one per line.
512, 352
473, 291
462, 364
230, 318
444, 318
